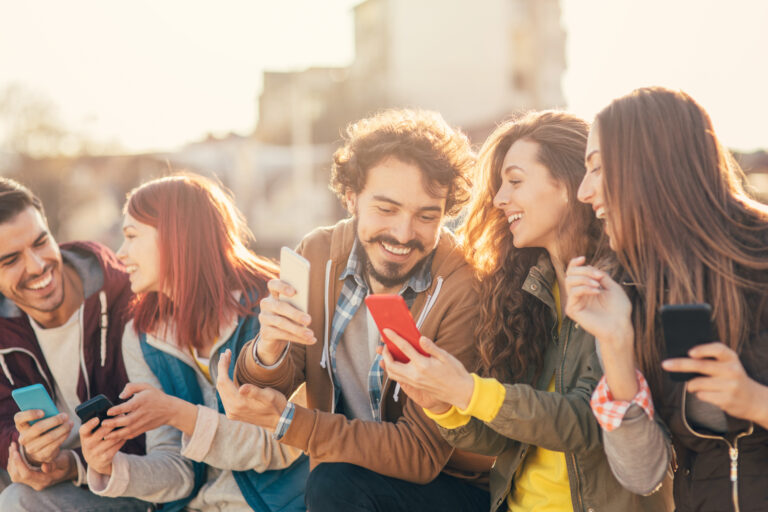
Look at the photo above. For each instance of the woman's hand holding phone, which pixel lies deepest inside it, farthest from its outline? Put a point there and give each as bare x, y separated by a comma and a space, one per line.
724, 382
97, 450
436, 381
281, 323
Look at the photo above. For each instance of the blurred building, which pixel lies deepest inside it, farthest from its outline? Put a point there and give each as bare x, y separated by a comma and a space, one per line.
474, 62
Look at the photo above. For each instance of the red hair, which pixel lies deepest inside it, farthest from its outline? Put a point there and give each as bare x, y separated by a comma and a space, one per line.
202, 239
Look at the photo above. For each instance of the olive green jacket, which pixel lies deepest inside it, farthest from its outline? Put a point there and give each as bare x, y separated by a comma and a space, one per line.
559, 421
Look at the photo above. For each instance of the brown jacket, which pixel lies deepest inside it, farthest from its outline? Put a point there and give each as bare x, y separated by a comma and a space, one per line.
405, 444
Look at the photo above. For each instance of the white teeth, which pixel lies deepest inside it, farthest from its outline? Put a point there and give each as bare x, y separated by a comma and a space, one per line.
396, 250
600, 212
515, 216
131, 268
42, 283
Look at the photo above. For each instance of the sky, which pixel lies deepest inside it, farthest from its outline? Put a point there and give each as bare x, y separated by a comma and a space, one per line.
155, 74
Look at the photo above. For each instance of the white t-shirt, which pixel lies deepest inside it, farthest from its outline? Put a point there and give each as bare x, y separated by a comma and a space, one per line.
62, 347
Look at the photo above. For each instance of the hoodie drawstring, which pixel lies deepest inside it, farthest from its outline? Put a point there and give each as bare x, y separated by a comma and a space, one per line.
324, 360
104, 325
6, 371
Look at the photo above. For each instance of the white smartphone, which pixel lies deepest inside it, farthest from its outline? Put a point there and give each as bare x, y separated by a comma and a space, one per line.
294, 270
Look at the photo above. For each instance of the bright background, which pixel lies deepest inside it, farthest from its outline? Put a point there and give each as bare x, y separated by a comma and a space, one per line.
151, 75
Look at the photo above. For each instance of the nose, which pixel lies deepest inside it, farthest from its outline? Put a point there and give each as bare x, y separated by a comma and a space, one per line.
586, 189
501, 199
34, 263
121, 252
402, 231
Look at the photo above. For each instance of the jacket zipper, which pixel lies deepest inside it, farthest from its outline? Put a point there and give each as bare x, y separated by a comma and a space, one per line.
733, 451
562, 386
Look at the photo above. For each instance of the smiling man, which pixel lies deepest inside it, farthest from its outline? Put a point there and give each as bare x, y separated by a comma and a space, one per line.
400, 174
61, 324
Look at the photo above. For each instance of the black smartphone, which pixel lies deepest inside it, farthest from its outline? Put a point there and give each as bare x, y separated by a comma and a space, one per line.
685, 326
95, 407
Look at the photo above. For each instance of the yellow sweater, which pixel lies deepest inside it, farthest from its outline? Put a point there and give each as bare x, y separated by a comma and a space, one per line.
541, 482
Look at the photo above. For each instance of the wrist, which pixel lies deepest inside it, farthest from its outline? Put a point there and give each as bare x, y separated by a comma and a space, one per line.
760, 406
466, 391
269, 352
183, 415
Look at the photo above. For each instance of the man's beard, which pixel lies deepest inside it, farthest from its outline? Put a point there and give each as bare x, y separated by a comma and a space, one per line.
391, 275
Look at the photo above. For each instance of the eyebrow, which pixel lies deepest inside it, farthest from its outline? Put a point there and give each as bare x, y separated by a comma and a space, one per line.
590, 155
396, 203
11, 255
512, 168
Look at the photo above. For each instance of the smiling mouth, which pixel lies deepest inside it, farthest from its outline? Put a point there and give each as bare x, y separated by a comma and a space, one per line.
600, 212
515, 216
41, 282
131, 268
399, 251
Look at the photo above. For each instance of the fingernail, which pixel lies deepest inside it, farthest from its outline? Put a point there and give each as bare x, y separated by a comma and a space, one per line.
665, 364
306, 319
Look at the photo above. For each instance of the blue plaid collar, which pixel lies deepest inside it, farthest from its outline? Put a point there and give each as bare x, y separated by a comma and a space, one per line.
419, 282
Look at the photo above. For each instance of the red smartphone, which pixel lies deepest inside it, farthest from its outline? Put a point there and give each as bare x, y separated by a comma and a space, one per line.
391, 312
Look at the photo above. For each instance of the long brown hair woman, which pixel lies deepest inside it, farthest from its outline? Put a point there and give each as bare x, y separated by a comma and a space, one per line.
684, 231
531, 410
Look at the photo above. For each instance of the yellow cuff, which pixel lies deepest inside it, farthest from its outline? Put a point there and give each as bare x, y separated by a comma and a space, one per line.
451, 418
486, 400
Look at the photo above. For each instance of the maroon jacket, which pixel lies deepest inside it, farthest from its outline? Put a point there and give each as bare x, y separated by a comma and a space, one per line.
108, 292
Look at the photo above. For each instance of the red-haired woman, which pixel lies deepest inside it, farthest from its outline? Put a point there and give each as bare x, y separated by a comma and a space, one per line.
685, 231
197, 291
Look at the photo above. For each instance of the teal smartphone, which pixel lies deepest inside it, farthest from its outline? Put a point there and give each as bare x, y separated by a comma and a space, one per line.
35, 397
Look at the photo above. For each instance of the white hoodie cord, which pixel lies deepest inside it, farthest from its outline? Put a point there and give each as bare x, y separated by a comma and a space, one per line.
104, 325
431, 299
6, 371
324, 360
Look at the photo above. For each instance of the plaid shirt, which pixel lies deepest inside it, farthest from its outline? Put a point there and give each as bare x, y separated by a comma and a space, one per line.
353, 293
610, 412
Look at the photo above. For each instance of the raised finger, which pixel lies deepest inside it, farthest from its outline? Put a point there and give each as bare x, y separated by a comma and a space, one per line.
280, 328
277, 287
686, 364
22, 418
404, 346
86, 429
287, 310
716, 350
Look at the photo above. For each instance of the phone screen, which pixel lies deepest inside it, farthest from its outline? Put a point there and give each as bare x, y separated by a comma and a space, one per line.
294, 270
685, 326
391, 312
35, 397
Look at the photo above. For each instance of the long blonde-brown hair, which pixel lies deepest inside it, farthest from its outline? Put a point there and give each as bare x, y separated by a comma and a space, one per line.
514, 327
682, 225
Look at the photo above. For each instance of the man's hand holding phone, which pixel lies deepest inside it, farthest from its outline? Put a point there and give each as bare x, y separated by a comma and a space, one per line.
42, 440
281, 323
281, 317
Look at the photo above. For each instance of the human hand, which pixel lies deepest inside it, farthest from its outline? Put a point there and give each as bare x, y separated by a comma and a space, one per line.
148, 409
438, 380
597, 303
249, 403
41, 441
725, 383
60, 469
281, 323
97, 450
601, 307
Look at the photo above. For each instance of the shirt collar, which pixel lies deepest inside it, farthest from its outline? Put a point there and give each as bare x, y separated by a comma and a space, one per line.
419, 282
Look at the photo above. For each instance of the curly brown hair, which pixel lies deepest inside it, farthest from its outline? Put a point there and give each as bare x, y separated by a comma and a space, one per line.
418, 137
514, 328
